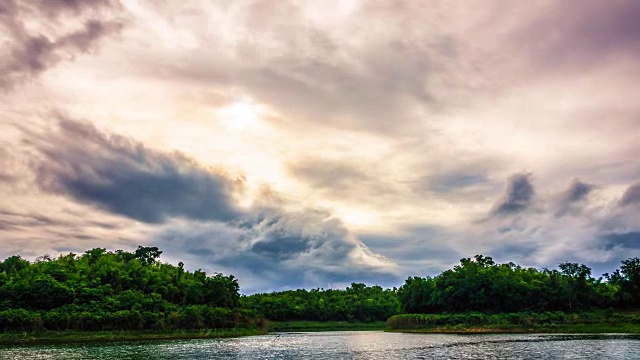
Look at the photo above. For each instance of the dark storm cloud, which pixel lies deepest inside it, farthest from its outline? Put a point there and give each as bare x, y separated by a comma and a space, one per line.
281, 245
191, 211
517, 198
280, 250
578, 191
126, 178
631, 196
286, 235
627, 240
29, 53
571, 199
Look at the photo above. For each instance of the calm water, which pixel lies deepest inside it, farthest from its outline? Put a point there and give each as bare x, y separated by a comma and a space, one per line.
352, 345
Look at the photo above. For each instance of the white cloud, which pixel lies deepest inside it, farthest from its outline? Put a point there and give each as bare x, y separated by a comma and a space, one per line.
391, 115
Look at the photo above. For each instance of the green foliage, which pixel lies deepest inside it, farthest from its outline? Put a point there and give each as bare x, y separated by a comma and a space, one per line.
356, 303
480, 284
102, 290
112, 291
627, 278
307, 326
547, 320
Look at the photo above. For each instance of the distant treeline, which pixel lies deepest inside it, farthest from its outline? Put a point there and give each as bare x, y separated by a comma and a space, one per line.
480, 284
356, 303
102, 290
476, 285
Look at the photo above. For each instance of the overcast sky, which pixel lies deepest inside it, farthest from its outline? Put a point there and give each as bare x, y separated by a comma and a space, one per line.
319, 143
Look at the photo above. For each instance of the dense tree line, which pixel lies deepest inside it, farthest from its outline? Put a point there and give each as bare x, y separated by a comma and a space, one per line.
480, 284
102, 290
356, 303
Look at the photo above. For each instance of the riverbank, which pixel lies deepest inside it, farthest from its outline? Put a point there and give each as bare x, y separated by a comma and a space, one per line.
593, 322
57, 337
60, 337
560, 329
315, 326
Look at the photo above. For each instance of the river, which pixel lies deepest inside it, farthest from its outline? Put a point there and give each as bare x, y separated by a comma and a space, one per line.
350, 345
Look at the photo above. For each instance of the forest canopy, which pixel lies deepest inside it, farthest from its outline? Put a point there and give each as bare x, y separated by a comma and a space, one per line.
120, 290
480, 284
103, 290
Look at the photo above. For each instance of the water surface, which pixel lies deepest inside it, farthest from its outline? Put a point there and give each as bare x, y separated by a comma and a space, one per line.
350, 345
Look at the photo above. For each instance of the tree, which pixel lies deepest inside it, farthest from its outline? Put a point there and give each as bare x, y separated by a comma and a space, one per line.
148, 255
103, 290
628, 279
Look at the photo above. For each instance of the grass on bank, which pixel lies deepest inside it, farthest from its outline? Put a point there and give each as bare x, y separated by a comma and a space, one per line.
304, 326
599, 321
516, 329
55, 337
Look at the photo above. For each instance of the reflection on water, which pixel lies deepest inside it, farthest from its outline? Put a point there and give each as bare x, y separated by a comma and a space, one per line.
351, 345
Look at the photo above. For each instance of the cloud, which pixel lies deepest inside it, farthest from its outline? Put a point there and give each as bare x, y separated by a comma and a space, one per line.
8, 167
32, 227
578, 191
127, 178
304, 66
415, 248
58, 7
452, 177
280, 250
517, 198
328, 174
341, 178
285, 237
631, 196
627, 240
389, 114
190, 211
453, 181
30, 52
575, 196
580, 38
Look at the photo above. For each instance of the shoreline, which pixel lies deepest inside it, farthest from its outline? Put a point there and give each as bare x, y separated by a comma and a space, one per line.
320, 326
489, 331
587, 322
565, 329
87, 337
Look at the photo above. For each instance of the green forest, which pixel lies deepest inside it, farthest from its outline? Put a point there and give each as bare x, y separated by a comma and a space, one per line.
480, 284
102, 290
357, 302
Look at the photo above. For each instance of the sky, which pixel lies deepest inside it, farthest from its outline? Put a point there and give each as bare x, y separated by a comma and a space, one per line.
305, 144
